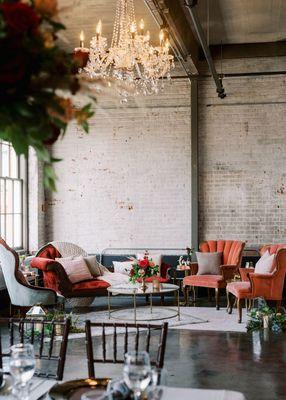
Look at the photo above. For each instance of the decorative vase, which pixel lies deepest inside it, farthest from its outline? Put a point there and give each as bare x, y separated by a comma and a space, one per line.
156, 284
266, 321
143, 286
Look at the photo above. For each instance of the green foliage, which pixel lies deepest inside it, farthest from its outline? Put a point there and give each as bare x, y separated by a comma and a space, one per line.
277, 320
37, 84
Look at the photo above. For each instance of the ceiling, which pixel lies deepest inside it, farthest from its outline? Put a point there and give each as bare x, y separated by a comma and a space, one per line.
224, 21
83, 15
243, 21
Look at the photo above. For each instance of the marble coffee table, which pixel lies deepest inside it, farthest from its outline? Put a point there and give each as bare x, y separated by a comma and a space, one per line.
134, 291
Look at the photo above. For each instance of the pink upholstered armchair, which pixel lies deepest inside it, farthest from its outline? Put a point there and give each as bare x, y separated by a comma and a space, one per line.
55, 276
253, 285
231, 261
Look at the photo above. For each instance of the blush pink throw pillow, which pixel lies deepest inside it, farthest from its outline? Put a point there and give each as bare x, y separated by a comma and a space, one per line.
265, 264
77, 270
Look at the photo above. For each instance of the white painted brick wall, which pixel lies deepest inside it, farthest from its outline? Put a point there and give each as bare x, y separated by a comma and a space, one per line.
242, 157
127, 183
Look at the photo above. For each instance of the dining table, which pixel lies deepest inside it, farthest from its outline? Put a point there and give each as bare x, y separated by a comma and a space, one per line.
40, 388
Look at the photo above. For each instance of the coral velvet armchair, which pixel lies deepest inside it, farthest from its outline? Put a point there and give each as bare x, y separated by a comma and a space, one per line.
55, 277
231, 261
253, 285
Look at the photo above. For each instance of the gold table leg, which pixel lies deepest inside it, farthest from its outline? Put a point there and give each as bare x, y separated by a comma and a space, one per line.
109, 310
178, 294
134, 304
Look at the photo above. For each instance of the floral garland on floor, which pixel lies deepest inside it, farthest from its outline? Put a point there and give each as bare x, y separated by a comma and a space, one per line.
266, 317
37, 81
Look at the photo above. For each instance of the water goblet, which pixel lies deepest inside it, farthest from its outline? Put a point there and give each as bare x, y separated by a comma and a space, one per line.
137, 372
22, 368
158, 379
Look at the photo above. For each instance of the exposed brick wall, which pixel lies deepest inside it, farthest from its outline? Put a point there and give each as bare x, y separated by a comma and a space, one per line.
242, 156
127, 183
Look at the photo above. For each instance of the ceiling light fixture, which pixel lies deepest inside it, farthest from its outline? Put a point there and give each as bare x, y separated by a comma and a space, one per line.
130, 59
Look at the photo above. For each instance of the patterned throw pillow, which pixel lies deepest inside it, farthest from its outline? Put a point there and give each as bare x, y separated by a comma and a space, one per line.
77, 269
123, 267
209, 263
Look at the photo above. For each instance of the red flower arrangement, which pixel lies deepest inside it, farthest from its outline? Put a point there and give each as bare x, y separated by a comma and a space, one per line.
145, 268
37, 80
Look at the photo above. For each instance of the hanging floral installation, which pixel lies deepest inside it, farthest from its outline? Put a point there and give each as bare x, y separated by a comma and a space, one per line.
38, 81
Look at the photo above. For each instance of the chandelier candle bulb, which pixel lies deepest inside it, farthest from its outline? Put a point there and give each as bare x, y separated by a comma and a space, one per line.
147, 36
161, 37
81, 39
141, 26
98, 29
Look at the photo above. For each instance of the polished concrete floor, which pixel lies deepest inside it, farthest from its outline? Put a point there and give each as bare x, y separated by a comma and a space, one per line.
254, 364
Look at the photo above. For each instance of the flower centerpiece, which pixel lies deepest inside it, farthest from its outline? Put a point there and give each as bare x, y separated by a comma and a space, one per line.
38, 80
142, 269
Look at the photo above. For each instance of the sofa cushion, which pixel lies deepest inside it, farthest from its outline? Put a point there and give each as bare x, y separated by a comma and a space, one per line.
94, 266
123, 267
91, 284
241, 290
265, 264
209, 263
210, 281
77, 269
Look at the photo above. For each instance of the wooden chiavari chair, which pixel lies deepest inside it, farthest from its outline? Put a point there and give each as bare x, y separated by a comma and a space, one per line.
124, 337
42, 335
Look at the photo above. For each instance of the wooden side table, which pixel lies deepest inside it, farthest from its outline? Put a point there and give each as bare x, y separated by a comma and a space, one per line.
31, 276
179, 274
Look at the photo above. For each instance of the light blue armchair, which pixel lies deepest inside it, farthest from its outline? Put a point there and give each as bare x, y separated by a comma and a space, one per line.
21, 293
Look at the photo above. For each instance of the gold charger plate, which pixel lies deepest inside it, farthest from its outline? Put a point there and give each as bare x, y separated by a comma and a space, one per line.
72, 390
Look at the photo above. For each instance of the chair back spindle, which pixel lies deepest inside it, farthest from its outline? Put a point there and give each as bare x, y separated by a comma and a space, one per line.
42, 335
116, 340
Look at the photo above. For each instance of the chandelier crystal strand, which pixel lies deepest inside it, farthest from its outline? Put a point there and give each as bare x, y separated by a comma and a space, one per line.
131, 59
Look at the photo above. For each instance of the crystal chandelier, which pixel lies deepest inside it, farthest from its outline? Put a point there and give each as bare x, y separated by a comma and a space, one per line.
130, 59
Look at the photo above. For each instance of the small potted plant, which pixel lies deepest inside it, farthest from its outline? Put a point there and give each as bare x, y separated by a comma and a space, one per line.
265, 317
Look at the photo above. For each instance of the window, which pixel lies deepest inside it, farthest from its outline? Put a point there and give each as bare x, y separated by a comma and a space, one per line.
12, 197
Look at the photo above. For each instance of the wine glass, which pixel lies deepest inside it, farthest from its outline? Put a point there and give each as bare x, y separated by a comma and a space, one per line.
158, 379
22, 368
117, 389
137, 372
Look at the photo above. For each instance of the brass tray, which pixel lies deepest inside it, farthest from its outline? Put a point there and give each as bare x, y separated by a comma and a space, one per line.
72, 390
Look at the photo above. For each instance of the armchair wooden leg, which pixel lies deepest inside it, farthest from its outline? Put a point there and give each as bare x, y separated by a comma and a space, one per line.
278, 305
228, 301
147, 298
194, 295
239, 309
231, 300
217, 298
186, 293
162, 300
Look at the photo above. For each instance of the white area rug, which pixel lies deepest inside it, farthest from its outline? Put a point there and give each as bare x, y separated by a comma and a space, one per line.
191, 318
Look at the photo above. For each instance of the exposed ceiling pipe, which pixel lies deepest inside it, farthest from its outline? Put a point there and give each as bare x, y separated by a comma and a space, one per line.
190, 5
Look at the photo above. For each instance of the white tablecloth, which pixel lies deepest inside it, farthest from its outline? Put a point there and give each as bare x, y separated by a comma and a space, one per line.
168, 393
200, 394
40, 387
